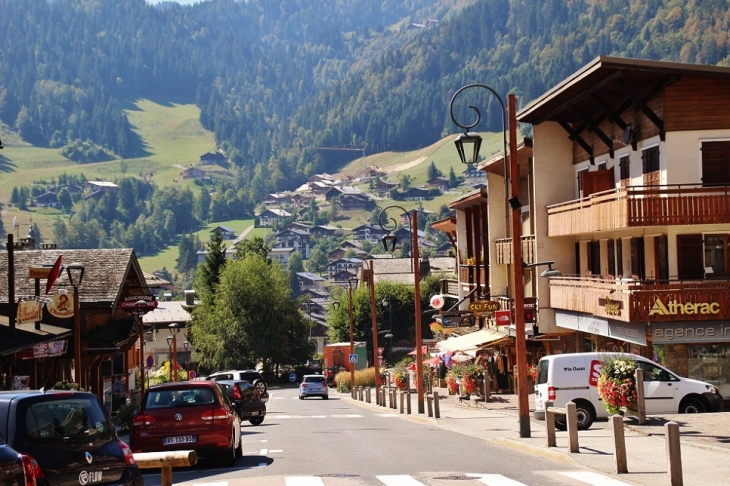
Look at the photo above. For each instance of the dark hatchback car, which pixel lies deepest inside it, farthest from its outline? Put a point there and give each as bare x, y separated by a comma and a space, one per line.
69, 437
246, 399
15, 468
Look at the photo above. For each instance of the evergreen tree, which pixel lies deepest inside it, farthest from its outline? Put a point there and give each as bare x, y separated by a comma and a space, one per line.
188, 257
296, 264
433, 171
208, 275
255, 245
453, 180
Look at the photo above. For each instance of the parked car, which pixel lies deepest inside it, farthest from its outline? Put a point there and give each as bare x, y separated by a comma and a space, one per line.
69, 437
188, 415
252, 376
16, 469
562, 378
246, 399
313, 386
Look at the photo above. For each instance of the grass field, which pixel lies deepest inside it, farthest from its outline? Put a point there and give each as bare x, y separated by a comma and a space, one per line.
174, 139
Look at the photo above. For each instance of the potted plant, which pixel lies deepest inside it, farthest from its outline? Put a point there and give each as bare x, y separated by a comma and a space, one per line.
400, 378
617, 384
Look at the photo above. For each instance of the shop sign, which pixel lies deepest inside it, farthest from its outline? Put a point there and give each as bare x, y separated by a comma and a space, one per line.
611, 307
464, 320
44, 350
129, 302
484, 308
673, 308
61, 306
39, 272
681, 332
28, 311
626, 331
503, 317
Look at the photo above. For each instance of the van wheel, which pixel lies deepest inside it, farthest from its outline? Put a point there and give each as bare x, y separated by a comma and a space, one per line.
692, 405
586, 415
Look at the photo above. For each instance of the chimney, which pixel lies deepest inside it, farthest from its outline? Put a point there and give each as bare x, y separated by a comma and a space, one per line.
190, 297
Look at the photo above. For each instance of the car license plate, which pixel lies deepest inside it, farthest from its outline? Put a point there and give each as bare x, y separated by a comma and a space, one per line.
183, 439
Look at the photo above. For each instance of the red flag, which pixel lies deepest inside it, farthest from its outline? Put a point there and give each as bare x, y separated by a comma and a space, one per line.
55, 272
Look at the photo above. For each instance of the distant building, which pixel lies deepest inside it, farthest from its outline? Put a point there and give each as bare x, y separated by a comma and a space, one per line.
269, 216
226, 232
192, 173
214, 158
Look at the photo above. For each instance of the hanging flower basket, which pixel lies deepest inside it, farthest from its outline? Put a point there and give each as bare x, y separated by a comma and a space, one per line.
400, 379
452, 384
617, 385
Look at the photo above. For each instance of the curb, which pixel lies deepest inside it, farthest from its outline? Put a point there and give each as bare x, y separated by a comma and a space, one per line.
533, 450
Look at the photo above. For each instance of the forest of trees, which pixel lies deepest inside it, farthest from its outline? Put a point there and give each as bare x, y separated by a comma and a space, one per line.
275, 79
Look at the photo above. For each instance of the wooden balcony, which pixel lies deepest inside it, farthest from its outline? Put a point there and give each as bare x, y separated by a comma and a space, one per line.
633, 301
640, 206
504, 249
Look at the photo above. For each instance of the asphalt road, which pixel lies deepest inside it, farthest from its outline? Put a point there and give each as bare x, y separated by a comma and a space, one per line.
337, 442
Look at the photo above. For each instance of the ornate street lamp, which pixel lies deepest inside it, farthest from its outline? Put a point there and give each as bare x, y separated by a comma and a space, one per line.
511, 181
390, 240
351, 284
75, 273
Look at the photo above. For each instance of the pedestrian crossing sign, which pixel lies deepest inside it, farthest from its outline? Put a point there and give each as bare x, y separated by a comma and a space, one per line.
353, 358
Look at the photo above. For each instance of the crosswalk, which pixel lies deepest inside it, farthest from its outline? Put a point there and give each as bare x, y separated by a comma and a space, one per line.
431, 479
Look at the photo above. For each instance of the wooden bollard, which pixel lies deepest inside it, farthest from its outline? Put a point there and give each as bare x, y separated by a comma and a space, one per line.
429, 404
367, 394
165, 461
408, 402
674, 453
571, 419
402, 400
436, 409
394, 403
619, 444
550, 424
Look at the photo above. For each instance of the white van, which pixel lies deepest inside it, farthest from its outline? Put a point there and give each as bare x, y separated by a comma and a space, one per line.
562, 378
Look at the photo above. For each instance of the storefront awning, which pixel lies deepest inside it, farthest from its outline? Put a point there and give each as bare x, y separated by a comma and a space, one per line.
473, 340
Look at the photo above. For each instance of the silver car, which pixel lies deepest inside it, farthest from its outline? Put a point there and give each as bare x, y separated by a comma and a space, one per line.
313, 386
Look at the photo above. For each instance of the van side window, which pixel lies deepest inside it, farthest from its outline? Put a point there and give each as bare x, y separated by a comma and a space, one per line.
655, 373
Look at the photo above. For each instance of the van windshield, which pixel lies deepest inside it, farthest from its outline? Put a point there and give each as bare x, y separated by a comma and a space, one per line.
542, 371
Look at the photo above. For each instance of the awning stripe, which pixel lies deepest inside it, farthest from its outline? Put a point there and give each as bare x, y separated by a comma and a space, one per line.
472, 340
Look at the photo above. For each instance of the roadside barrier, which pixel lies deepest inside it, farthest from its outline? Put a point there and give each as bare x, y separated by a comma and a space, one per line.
674, 453
571, 419
165, 461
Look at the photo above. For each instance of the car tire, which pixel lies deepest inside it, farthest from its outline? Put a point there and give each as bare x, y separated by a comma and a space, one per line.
229, 457
256, 420
325, 397
692, 405
260, 386
586, 416
301, 397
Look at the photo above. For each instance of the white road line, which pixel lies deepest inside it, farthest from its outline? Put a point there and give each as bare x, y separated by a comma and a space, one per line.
318, 416
385, 415
217, 483
303, 481
593, 478
495, 480
263, 452
400, 480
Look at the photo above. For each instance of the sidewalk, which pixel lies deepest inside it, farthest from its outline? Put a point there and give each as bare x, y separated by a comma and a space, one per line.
705, 439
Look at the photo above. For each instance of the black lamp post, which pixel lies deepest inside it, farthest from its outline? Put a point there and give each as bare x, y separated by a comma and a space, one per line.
75, 273
389, 242
186, 346
140, 309
511, 181
174, 329
389, 336
169, 340
351, 284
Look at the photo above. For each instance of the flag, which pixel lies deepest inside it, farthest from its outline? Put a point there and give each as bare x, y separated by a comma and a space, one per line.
55, 272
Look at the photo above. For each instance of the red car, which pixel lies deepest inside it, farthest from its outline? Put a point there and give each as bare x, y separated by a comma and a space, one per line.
188, 415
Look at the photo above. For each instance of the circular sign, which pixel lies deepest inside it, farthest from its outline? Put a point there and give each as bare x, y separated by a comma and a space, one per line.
292, 377
192, 374
437, 301
150, 361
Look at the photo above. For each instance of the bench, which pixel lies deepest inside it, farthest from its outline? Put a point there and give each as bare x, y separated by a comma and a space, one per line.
571, 419
165, 461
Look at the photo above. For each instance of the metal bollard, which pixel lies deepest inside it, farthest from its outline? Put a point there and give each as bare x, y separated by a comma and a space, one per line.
436, 408
429, 405
674, 453
619, 444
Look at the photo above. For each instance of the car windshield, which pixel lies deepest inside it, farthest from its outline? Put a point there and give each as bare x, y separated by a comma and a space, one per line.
314, 379
176, 398
66, 419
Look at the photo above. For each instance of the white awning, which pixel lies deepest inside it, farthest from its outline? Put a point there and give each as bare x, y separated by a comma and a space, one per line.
472, 340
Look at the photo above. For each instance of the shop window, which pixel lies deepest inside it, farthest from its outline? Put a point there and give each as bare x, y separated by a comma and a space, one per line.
711, 364
717, 256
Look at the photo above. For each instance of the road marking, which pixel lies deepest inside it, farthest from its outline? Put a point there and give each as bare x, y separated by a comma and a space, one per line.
593, 478
385, 415
318, 416
303, 481
217, 483
263, 452
495, 480
400, 480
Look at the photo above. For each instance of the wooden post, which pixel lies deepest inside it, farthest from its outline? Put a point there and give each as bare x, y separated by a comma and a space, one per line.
571, 419
402, 400
550, 424
165, 461
674, 453
436, 407
619, 444
367, 395
487, 386
408, 402
640, 404
429, 404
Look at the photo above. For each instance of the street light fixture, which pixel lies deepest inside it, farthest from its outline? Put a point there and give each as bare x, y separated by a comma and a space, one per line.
351, 282
174, 329
75, 273
512, 193
390, 240
389, 336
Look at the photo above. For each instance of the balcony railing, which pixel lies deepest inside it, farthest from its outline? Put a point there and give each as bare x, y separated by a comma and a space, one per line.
641, 206
636, 301
504, 249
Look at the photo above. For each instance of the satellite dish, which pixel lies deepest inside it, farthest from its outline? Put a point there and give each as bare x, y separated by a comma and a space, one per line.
437, 301
626, 139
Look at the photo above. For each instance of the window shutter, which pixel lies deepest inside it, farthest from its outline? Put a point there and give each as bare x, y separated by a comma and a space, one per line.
610, 247
689, 257
637, 258
662, 258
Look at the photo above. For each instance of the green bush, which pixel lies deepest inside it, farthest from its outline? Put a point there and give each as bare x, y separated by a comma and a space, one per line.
125, 414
